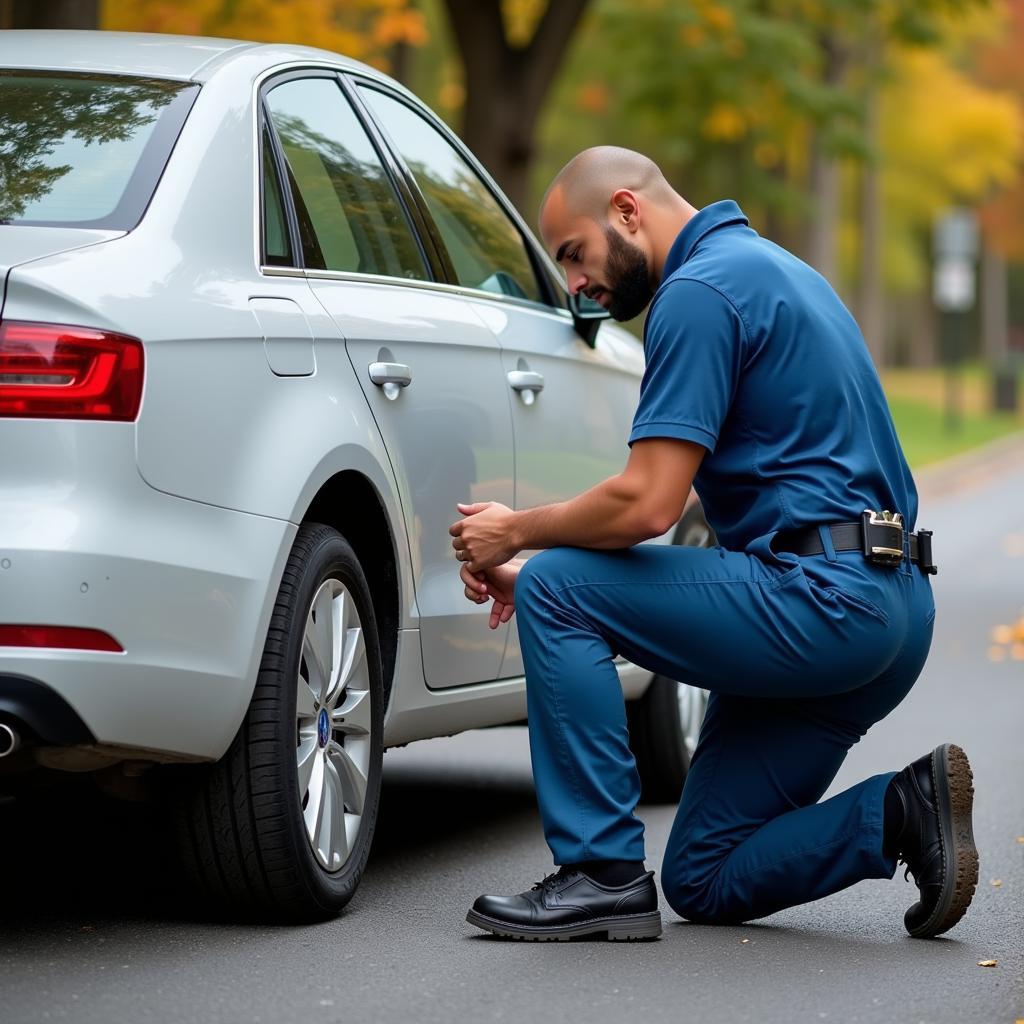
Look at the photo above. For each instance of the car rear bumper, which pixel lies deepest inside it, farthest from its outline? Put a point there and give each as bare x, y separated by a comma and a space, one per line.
185, 588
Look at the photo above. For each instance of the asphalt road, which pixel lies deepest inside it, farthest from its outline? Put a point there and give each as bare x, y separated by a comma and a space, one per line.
90, 932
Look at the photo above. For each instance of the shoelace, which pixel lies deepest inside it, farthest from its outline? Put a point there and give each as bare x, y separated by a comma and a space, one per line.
550, 881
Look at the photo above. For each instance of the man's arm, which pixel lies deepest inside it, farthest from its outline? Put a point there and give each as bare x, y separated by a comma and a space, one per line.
641, 502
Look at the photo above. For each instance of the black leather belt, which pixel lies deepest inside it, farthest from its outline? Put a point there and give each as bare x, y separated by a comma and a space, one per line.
857, 537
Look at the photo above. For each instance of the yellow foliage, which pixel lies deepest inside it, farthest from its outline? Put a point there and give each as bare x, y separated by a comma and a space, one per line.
945, 140
401, 25
363, 29
451, 95
692, 35
721, 19
724, 123
521, 18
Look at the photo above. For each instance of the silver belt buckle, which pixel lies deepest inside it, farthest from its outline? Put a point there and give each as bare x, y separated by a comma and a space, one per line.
882, 533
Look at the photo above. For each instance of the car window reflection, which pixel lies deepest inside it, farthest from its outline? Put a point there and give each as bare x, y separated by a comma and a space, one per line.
69, 145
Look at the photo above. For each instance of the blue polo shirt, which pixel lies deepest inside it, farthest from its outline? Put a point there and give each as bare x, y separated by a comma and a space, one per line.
751, 354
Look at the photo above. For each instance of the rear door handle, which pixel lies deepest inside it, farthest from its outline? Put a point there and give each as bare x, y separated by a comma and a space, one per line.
391, 373
526, 380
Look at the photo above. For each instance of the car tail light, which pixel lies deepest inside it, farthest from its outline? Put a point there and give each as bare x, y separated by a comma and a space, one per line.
55, 371
58, 636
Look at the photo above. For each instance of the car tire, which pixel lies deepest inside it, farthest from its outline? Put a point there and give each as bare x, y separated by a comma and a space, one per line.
247, 835
665, 722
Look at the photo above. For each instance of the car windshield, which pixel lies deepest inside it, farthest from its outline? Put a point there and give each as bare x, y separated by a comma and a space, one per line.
84, 150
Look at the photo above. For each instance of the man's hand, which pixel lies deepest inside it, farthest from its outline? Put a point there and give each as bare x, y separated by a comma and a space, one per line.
482, 539
499, 583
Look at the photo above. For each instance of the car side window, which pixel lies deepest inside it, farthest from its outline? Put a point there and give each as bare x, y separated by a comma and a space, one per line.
277, 247
350, 217
485, 246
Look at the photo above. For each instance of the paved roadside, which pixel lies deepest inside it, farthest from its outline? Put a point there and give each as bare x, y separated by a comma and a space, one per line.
90, 933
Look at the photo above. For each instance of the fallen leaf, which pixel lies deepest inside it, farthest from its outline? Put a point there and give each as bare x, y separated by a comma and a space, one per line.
996, 882
1002, 635
988, 963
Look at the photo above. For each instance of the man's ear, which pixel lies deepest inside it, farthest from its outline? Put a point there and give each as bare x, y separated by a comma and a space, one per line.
626, 208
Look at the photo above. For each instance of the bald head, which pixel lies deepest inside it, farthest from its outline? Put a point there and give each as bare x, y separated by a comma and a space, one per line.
609, 219
586, 184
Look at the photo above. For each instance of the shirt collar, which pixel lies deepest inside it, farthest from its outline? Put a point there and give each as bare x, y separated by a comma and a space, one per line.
716, 215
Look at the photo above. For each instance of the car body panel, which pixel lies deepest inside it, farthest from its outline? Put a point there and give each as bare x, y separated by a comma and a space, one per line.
22, 243
183, 58
563, 446
182, 586
449, 437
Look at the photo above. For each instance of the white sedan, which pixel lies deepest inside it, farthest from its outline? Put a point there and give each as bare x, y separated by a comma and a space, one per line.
264, 322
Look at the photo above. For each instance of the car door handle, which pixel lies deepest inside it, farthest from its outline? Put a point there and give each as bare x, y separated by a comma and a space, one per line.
390, 373
526, 380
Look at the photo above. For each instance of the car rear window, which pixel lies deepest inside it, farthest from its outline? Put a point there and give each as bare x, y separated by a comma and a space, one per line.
85, 150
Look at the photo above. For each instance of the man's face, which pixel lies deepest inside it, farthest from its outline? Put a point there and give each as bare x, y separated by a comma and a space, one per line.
599, 261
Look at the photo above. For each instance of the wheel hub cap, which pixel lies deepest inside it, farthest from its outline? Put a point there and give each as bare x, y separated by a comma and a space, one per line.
332, 727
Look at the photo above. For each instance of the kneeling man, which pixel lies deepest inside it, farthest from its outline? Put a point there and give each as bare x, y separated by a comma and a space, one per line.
808, 623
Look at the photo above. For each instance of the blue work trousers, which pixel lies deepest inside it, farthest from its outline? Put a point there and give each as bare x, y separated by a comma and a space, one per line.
801, 655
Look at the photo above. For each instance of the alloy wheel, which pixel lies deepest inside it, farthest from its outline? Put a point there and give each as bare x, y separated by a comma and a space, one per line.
332, 711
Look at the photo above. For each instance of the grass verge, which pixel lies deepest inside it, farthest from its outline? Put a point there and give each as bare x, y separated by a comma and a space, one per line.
917, 401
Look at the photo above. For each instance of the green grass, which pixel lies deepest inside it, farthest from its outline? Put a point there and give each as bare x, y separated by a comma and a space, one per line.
925, 437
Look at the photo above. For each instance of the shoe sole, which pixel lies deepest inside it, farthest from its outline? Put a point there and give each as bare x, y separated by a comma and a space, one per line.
621, 928
954, 790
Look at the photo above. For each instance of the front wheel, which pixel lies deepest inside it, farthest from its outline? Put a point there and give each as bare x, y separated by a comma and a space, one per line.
664, 726
283, 822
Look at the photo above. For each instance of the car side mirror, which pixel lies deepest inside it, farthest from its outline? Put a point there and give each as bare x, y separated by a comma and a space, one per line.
587, 316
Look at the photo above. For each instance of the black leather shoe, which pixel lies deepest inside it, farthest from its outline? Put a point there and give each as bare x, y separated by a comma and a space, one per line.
937, 839
569, 903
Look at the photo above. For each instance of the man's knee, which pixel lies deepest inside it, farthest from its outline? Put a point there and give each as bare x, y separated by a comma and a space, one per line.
695, 891
538, 578
687, 893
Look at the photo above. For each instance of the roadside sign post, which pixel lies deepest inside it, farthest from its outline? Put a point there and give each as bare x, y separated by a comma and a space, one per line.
953, 290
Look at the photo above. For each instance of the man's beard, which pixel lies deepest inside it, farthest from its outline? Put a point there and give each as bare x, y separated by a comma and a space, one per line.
629, 282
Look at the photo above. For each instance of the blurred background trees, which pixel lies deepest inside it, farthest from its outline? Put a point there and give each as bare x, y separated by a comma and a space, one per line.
843, 127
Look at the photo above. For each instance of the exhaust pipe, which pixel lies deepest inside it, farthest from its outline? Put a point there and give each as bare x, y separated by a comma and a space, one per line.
9, 740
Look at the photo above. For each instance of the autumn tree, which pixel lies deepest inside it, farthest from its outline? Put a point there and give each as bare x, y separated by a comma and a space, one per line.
510, 67
366, 30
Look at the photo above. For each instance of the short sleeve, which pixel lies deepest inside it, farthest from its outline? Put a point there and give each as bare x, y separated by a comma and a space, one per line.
693, 349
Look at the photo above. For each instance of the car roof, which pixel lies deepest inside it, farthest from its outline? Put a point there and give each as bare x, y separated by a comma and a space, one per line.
188, 58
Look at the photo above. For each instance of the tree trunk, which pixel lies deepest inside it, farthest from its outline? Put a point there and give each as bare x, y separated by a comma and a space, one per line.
871, 296
55, 14
506, 86
400, 65
824, 183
